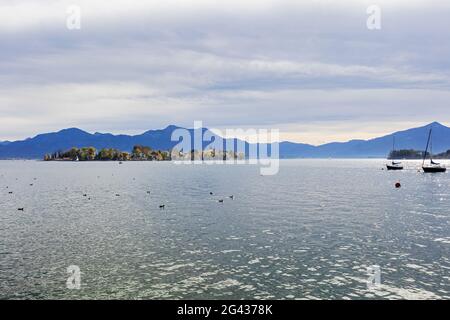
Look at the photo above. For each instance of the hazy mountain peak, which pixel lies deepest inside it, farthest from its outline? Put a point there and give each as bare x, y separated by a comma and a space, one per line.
36, 147
73, 131
169, 128
437, 124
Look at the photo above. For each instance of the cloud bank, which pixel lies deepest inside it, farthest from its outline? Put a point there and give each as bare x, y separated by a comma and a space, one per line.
310, 68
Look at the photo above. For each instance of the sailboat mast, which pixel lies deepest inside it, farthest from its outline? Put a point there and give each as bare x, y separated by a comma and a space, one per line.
426, 149
393, 150
431, 149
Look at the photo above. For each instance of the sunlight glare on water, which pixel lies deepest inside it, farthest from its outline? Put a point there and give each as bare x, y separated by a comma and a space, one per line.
309, 232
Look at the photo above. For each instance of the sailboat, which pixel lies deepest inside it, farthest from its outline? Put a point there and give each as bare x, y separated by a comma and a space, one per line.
433, 167
394, 165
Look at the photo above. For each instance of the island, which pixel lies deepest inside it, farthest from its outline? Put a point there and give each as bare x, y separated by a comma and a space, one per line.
416, 155
139, 153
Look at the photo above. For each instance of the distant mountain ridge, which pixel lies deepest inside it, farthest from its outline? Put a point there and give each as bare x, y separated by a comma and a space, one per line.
38, 146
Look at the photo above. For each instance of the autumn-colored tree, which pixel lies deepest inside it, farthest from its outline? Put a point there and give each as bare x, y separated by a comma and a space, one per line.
90, 153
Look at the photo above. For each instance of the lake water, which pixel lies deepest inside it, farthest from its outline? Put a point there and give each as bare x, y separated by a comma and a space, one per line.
309, 232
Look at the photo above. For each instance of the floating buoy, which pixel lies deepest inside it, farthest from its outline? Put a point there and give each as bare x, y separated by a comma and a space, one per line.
162, 206
221, 201
211, 193
398, 185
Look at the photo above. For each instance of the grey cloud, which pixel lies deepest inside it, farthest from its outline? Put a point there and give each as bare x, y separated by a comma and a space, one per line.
229, 63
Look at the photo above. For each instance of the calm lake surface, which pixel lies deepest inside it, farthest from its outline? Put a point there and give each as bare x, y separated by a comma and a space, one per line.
309, 232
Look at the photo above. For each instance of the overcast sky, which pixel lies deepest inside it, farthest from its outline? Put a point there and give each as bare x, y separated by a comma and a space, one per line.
309, 68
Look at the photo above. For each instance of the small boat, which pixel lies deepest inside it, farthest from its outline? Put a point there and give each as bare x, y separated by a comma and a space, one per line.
435, 168
432, 167
394, 165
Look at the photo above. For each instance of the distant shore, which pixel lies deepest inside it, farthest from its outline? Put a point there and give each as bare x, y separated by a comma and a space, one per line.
416, 155
140, 153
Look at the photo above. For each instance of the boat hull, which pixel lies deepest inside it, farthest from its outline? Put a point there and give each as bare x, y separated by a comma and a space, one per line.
396, 168
434, 169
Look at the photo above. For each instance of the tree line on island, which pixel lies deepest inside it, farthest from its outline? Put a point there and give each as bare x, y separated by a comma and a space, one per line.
416, 155
139, 153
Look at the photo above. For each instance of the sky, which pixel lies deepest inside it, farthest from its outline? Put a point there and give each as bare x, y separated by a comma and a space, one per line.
312, 69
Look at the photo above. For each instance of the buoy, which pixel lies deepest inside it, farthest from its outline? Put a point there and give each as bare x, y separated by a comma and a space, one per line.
398, 185
162, 206
211, 193
221, 201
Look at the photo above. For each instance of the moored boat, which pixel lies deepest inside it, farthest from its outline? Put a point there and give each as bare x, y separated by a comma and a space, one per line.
394, 165
432, 167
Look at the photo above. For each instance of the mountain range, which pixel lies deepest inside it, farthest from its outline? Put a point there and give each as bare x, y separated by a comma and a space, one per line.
38, 146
